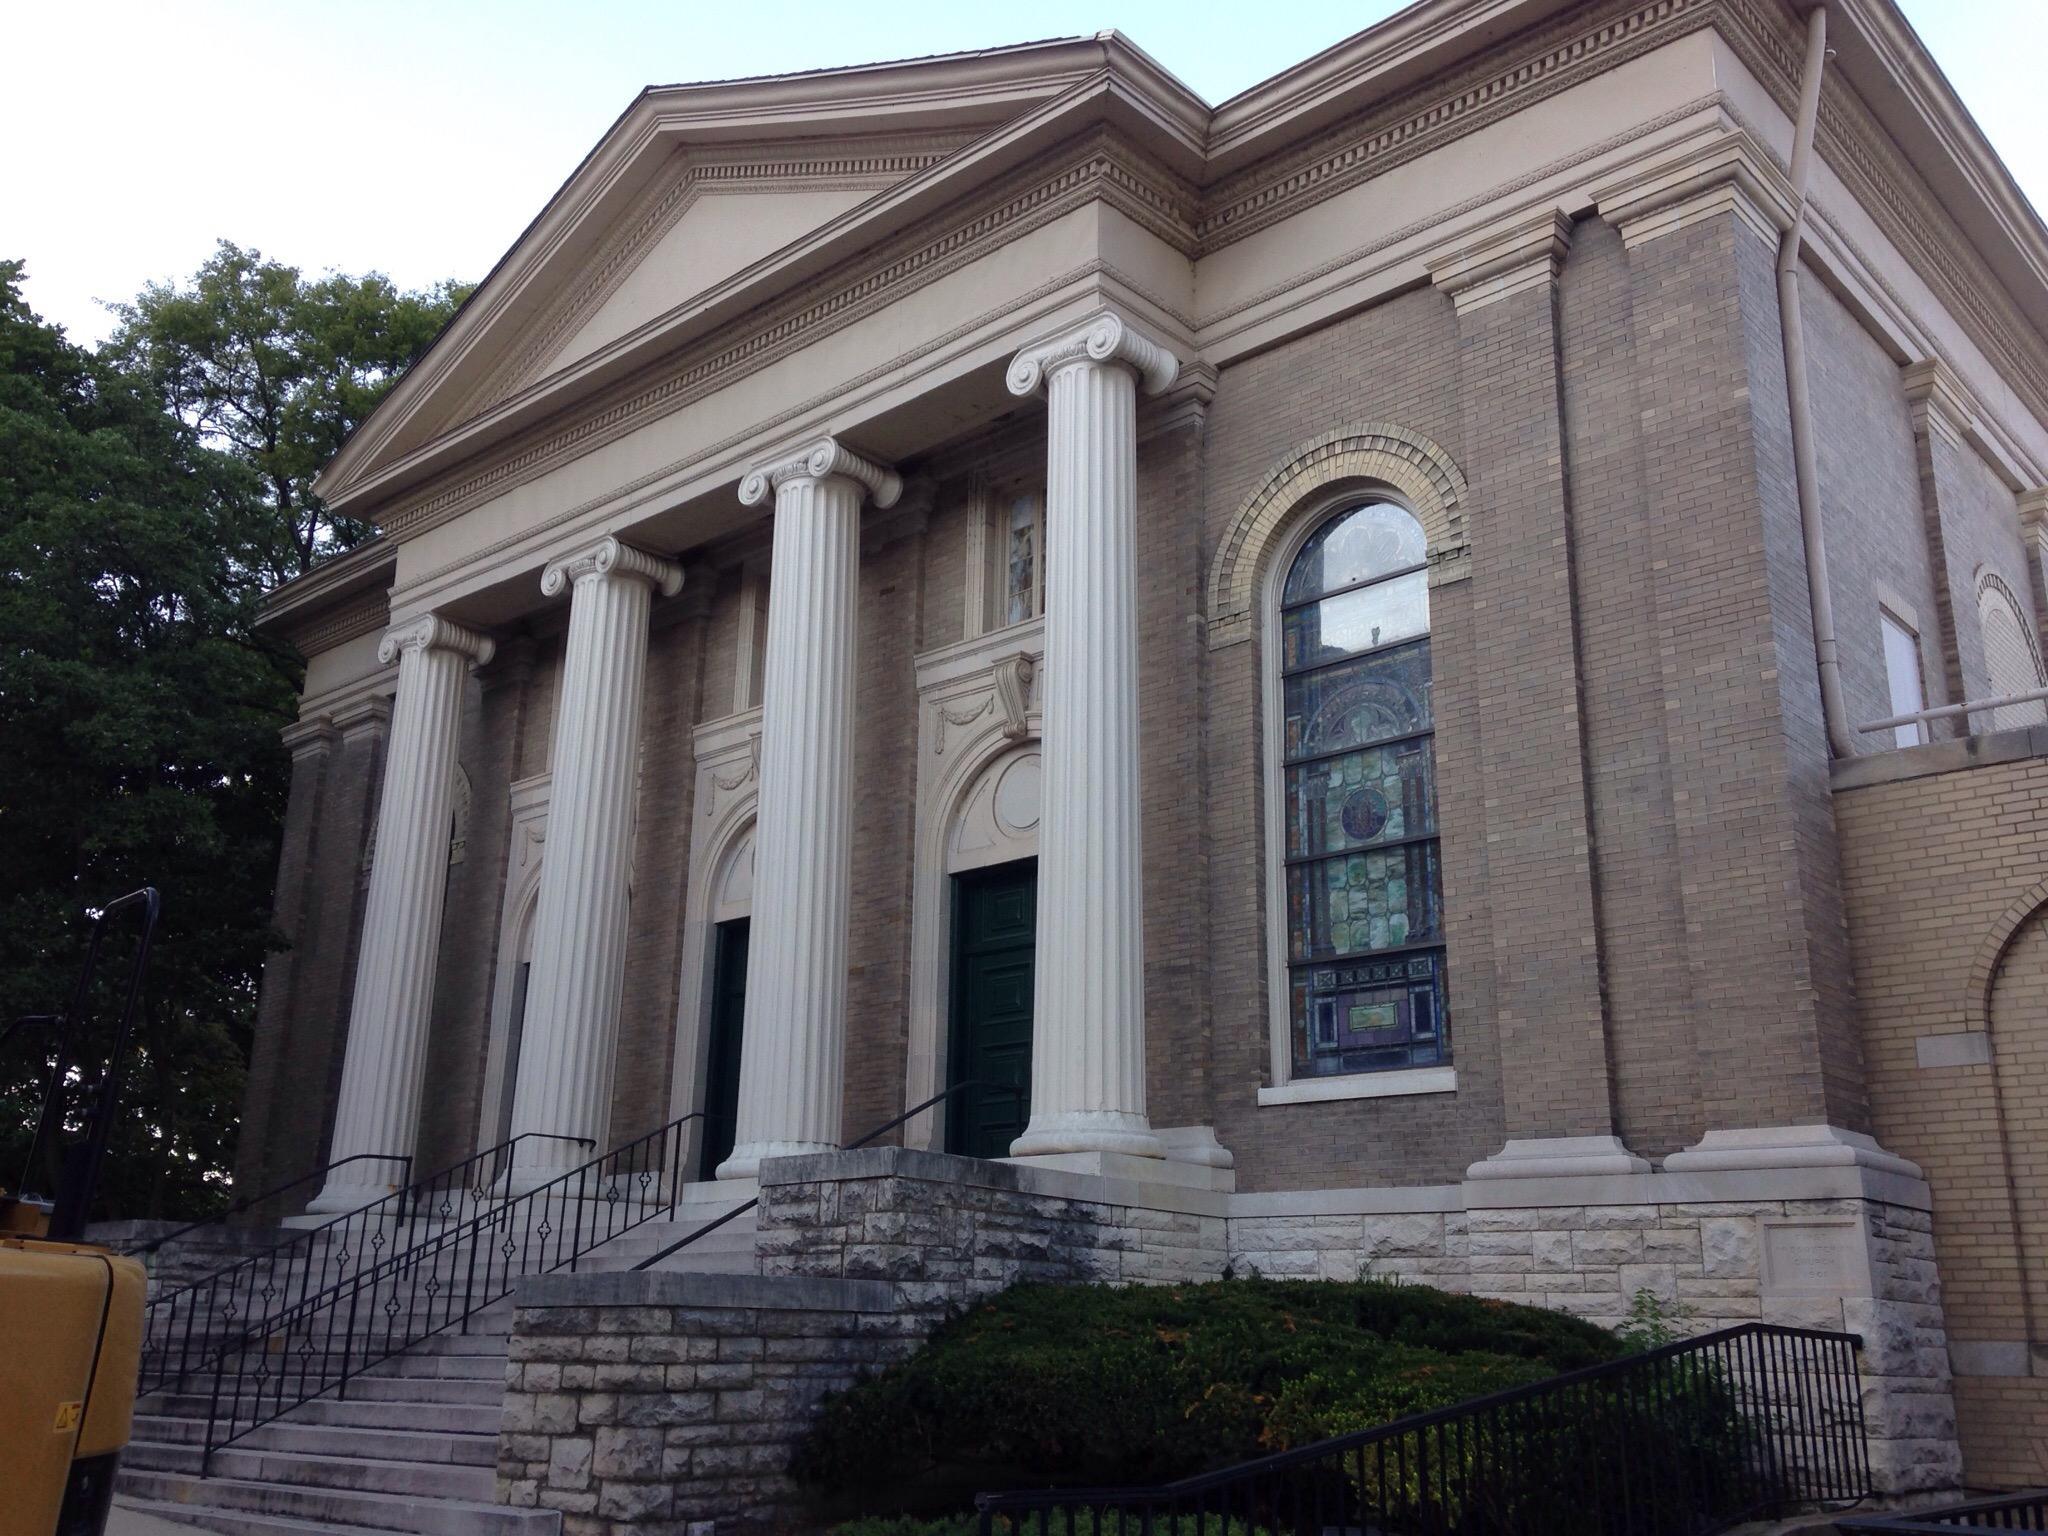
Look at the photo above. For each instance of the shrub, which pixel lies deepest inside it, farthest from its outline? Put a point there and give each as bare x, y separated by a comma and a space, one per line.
1069, 1385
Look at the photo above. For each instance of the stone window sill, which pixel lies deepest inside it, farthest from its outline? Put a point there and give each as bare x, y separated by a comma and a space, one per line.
1362, 1085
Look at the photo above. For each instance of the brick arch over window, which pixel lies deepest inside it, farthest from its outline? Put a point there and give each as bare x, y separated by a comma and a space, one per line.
1370, 453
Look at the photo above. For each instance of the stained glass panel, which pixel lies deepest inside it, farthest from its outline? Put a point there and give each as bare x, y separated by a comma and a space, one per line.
1373, 540
1372, 699
1359, 902
1355, 621
1380, 795
1369, 1016
1021, 564
1365, 888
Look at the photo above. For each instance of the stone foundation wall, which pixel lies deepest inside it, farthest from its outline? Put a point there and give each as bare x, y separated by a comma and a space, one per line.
1853, 1265
948, 1229
662, 1400
666, 1399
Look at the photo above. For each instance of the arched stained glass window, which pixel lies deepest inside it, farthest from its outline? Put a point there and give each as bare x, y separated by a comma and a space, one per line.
1362, 867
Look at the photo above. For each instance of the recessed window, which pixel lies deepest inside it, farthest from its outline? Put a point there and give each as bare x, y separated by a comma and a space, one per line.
1360, 858
1902, 676
1020, 557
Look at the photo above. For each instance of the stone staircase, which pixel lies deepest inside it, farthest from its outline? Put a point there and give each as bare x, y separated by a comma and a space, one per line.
413, 1447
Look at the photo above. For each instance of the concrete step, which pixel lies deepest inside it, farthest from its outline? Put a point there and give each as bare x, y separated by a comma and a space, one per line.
355, 1474
366, 1388
175, 1444
226, 1503
476, 1418
416, 1364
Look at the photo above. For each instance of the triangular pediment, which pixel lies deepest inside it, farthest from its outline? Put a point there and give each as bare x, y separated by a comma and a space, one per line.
692, 187
705, 218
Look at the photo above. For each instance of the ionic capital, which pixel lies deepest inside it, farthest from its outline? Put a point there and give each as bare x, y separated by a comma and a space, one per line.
431, 632
824, 459
608, 557
1106, 338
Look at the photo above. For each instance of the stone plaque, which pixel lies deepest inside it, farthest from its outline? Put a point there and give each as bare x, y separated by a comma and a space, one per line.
1815, 1258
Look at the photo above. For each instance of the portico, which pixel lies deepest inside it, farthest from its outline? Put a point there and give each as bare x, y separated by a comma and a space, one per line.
1257, 654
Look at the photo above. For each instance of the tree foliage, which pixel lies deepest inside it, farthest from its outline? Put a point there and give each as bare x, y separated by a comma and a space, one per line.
277, 369
149, 495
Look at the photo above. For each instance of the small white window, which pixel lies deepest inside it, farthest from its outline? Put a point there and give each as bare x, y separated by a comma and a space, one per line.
1902, 674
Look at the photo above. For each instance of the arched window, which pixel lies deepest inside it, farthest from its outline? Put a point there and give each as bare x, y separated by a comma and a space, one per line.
1360, 863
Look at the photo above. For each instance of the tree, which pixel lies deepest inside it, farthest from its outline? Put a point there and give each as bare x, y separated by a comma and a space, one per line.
139, 718
278, 370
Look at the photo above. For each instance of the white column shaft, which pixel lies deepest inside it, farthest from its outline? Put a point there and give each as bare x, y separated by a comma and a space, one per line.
571, 1027
385, 1060
1088, 1044
793, 1042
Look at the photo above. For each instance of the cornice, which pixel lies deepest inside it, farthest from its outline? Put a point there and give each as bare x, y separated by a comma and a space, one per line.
1505, 80
825, 459
358, 616
304, 600
1097, 166
1855, 146
607, 556
1534, 64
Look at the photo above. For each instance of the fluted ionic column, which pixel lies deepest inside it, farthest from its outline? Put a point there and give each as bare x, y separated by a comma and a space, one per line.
579, 948
792, 1045
1088, 1035
385, 1060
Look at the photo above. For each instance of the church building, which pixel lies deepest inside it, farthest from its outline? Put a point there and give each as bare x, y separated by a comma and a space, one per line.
1439, 664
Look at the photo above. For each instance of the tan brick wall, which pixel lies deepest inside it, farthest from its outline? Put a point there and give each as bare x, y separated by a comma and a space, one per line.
1640, 869
1942, 876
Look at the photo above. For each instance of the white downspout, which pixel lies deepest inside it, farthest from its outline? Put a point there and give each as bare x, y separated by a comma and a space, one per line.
1833, 711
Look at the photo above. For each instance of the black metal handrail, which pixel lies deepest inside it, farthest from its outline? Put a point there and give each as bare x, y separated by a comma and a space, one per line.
1690, 1438
881, 1130
2007, 1512
190, 1327
220, 1217
322, 1341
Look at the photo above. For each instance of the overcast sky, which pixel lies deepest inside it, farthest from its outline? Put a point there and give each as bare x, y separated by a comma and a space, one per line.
418, 137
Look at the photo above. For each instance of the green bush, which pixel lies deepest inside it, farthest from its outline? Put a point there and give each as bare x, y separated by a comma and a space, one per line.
1073, 1385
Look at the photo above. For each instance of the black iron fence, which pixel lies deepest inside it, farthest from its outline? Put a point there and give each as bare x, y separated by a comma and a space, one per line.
1690, 1438
189, 1326
468, 1260
2009, 1512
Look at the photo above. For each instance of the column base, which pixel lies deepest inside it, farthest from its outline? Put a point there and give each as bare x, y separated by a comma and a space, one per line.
1088, 1130
746, 1159
340, 1199
1548, 1157
1788, 1146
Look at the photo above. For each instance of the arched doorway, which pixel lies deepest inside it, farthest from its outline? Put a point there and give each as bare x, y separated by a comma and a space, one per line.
731, 930
991, 871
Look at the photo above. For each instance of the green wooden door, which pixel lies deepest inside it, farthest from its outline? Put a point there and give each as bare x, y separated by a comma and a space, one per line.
722, 1068
995, 932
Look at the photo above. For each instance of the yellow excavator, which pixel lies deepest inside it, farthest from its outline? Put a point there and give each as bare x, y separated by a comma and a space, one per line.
70, 1313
